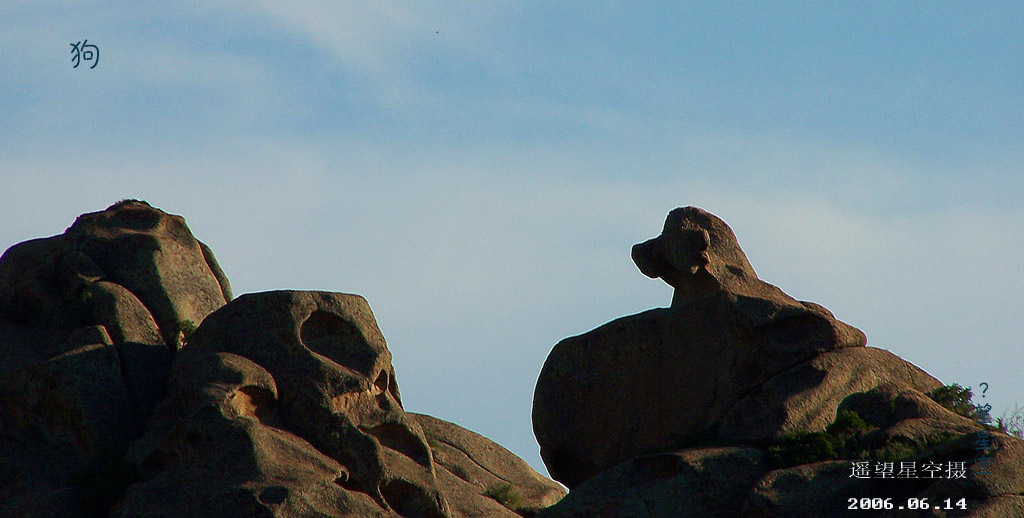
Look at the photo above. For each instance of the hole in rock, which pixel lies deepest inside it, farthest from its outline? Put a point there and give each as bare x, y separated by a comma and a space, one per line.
136, 219
338, 340
273, 495
255, 403
381, 383
807, 328
399, 438
409, 500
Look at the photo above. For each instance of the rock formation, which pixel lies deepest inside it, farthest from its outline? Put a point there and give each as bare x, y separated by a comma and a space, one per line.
288, 401
132, 385
89, 321
738, 400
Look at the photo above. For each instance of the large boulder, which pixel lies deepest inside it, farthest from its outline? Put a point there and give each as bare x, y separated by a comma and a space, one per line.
335, 389
58, 419
218, 444
807, 396
650, 381
286, 404
759, 482
131, 385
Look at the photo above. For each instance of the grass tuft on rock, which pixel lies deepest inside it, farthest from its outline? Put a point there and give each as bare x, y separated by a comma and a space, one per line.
505, 494
1012, 423
803, 448
187, 327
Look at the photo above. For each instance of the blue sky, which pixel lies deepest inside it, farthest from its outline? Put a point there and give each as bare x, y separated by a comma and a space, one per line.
479, 171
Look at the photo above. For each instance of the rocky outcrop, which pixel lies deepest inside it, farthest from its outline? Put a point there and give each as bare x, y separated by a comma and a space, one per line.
738, 400
134, 270
151, 256
132, 385
89, 321
289, 401
709, 482
726, 334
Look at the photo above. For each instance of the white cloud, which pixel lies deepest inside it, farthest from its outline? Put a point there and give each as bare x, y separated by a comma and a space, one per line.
382, 42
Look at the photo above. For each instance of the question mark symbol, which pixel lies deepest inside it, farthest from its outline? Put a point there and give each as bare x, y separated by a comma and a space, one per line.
984, 390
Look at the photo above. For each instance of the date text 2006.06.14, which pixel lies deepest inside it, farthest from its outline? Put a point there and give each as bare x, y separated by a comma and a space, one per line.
911, 503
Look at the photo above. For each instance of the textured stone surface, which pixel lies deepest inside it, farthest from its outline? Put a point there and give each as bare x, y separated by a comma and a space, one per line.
55, 418
468, 464
152, 254
285, 404
807, 396
694, 483
217, 445
133, 269
823, 489
155, 256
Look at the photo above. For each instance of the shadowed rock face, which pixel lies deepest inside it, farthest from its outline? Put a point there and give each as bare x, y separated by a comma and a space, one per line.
146, 252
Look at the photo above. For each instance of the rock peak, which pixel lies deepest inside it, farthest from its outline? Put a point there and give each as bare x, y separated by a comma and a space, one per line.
698, 255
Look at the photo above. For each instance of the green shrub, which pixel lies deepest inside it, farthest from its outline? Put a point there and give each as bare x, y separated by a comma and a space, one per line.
186, 327
848, 424
958, 399
803, 448
505, 494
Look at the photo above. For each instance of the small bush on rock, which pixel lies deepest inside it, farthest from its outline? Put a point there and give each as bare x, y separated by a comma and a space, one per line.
848, 424
505, 494
804, 448
958, 399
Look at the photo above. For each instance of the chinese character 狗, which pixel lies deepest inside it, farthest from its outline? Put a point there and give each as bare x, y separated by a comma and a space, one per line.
84, 52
